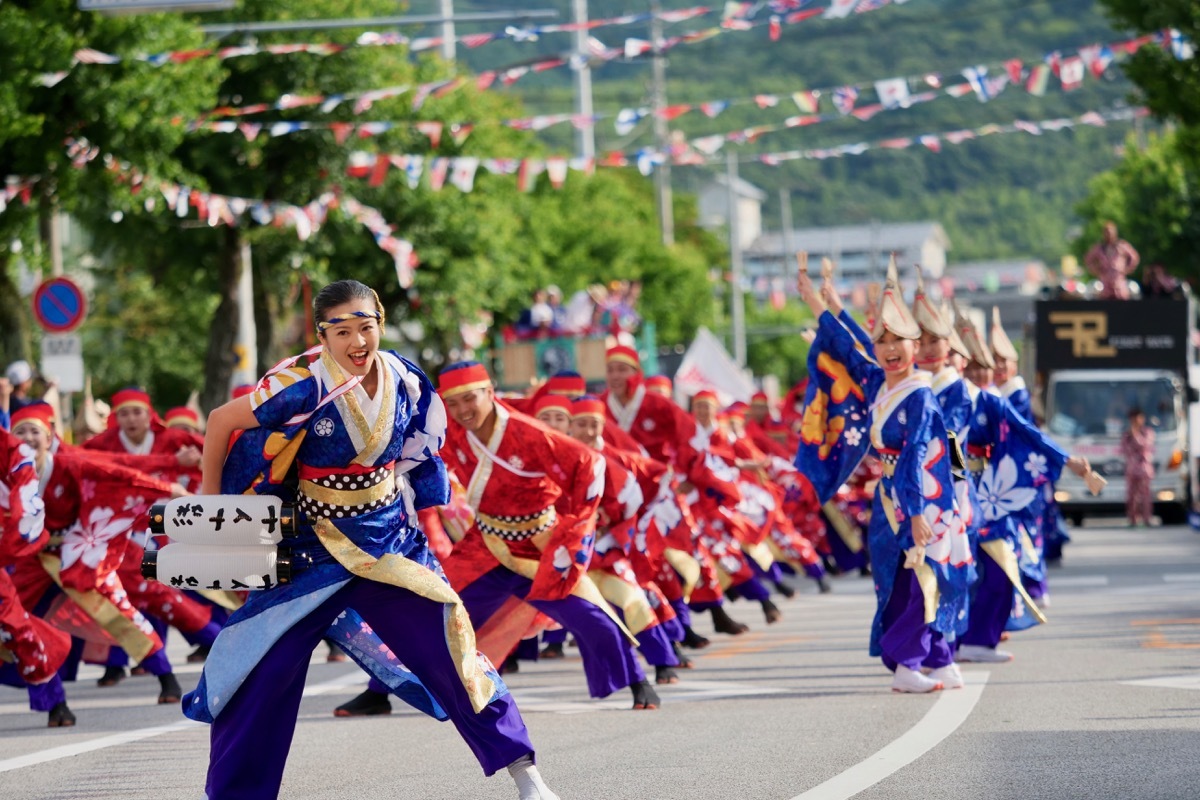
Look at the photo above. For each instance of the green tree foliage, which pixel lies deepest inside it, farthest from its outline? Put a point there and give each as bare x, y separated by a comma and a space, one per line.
1150, 195
128, 108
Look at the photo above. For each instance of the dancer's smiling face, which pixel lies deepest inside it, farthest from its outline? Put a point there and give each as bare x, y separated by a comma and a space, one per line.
353, 342
895, 354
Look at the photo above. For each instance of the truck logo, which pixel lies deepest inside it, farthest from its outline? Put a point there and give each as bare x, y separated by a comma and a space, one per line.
1085, 330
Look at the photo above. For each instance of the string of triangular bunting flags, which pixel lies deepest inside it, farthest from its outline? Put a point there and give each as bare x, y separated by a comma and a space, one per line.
226, 210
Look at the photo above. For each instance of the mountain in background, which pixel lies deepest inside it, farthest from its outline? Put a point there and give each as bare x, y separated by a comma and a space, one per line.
1009, 196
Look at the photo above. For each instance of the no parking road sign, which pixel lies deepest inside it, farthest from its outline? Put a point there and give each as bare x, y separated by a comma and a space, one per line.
59, 305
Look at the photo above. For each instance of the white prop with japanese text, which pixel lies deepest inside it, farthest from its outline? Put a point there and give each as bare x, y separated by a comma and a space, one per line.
226, 520
196, 566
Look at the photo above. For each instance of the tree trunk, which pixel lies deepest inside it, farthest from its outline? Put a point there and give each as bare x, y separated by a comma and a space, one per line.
220, 360
14, 318
266, 311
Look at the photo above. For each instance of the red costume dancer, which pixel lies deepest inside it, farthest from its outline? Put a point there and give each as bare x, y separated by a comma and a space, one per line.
734, 522
665, 525
138, 432
536, 494
91, 508
660, 384
611, 568
666, 432
183, 418
33, 649
793, 516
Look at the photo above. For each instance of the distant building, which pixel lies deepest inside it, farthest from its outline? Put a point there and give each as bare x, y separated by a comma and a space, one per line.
714, 207
1010, 286
860, 253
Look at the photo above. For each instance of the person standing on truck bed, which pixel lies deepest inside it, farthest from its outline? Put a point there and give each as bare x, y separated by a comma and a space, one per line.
1112, 261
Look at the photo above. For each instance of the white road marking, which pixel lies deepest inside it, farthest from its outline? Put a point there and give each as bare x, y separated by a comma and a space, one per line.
115, 740
948, 713
1182, 577
1077, 581
1173, 682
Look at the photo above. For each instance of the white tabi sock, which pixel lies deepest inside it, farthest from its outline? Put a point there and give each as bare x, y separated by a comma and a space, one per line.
529, 780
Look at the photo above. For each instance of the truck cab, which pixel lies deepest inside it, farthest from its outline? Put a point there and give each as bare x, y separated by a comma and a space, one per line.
1096, 360
1087, 412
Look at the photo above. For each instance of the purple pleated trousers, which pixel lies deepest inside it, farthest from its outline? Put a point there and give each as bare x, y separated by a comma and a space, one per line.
608, 658
253, 733
907, 640
991, 604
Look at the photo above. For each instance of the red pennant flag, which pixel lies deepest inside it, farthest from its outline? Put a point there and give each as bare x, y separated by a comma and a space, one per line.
775, 29
485, 79
341, 131
438, 171
379, 172
671, 112
459, 133
766, 100
433, 130
1014, 68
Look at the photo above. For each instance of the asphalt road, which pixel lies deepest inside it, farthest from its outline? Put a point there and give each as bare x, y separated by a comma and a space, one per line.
1103, 702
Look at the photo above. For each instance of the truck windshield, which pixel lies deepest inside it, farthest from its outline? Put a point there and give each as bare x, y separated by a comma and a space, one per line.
1101, 408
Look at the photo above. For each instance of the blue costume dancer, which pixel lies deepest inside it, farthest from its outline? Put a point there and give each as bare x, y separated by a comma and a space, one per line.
917, 540
1010, 460
352, 437
1041, 520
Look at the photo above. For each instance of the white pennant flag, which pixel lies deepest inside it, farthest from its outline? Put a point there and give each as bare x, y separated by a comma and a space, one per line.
556, 171
893, 93
839, 8
709, 144
463, 174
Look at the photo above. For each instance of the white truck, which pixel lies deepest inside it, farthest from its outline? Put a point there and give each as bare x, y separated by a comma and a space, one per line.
1096, 360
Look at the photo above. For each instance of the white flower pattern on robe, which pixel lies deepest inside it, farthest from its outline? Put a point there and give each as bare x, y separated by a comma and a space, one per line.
999, 494
1035, 465
89, 543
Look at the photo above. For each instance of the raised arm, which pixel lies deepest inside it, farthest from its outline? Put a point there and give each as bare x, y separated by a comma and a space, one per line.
236, 415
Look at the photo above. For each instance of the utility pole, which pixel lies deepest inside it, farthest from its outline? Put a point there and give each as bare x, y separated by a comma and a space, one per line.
789, 246
246, 346
447, 10
737, 309
662, 172
585, 135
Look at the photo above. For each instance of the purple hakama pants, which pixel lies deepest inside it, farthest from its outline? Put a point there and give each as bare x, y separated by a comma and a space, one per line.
991, 604
252, 735
907, 639
608, 658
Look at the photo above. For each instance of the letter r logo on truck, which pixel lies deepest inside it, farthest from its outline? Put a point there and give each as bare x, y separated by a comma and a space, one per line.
1085, 330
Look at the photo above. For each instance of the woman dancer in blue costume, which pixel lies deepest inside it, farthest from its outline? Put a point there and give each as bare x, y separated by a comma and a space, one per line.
352, 437
1010, 460
916, 537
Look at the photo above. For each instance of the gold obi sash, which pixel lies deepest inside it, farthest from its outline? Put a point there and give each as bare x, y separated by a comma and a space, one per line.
517, 528
348, 494
123, 630
585, 588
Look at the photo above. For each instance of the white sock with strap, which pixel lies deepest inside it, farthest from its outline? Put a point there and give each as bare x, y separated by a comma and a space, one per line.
529, 780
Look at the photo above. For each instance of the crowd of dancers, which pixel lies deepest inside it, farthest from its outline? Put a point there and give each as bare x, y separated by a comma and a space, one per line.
447, 530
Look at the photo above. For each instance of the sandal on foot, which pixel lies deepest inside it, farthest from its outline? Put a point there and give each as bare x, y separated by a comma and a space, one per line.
61, 716
771, 612
723, 623
644, 696
367, 704
169, 689
112, 676
665, 675
552, 650
694, 640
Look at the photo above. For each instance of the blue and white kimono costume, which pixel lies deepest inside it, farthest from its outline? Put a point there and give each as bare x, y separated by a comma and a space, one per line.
904, 424
1011, 460
360, 485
